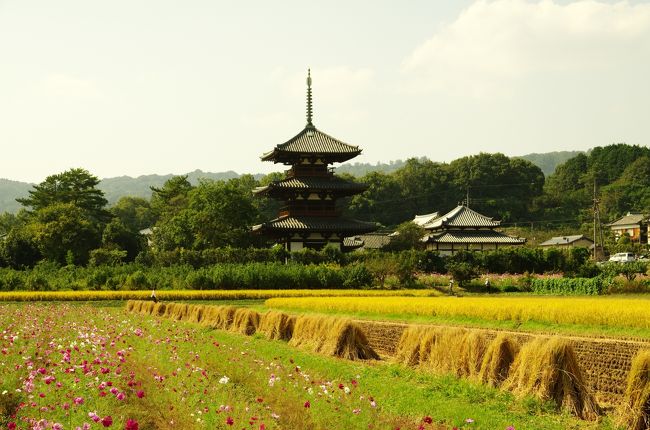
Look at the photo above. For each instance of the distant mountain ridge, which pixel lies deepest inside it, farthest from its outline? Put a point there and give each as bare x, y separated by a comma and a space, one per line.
120, 186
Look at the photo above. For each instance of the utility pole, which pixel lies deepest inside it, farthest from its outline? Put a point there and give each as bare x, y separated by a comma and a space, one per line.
597, 226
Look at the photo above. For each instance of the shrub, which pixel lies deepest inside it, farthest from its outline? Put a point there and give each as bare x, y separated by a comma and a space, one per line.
106, 257
570, 286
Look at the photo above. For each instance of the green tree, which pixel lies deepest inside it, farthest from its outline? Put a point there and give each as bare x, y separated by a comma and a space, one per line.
76, 187
117, 235
407, 236
60, 229
19, 249
171, 198
378, 202
134, 212
222, 213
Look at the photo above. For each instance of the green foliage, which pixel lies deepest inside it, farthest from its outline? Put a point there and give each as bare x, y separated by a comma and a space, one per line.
570, 286
630, 270
106, 257
76, 187
407, 236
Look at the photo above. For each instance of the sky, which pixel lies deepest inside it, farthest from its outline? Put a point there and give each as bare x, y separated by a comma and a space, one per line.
134, 87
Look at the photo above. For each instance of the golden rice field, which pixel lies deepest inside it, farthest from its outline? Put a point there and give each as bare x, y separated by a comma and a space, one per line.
602, 311
28, 296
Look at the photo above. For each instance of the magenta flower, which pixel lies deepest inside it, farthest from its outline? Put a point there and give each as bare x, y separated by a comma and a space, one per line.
131, 424
230, 421
307, 404
78, 400
140, 394
107, 421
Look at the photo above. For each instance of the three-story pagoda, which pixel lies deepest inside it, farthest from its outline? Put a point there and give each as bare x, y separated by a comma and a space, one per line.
310, 217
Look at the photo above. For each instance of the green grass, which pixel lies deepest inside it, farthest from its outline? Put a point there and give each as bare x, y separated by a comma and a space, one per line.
401, 392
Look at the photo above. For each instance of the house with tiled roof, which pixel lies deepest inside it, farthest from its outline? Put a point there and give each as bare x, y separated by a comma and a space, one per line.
573, 241
635, 225
464, 229
311, 217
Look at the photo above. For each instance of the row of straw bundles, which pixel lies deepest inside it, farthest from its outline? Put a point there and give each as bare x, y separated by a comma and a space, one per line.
240, 320
546, 368
635, 412
333, 336
339, 337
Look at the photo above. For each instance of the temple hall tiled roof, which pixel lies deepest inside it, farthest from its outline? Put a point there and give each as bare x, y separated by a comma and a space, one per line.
311, 141
315, 183
461, 216
425, 219
472, 236
319, 224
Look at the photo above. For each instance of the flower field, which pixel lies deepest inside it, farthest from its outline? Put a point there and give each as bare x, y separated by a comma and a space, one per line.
77, 367
29, 296
602, 311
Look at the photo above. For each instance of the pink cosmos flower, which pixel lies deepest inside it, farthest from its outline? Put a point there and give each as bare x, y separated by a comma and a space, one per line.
11, 425
140, 394
120, 396
427, 419
230, 421
78, 400
356, 411
107, 421
131, 424
307, 404
57, 426
510, 428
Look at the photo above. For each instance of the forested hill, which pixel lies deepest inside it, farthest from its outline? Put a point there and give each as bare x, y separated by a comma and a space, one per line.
550, 160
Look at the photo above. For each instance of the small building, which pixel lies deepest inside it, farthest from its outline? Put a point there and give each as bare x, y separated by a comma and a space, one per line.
464, 229
635, 225
311, 217
568, 242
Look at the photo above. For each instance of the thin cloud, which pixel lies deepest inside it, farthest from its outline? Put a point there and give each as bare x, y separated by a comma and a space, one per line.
493, 46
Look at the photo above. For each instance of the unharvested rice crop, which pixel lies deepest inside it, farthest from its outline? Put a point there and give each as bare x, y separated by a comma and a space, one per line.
635, 411
610, 312
30, 296
548, 369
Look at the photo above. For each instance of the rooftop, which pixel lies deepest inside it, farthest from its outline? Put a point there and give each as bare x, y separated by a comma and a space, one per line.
316, 224
461, 217
312, 183
630, 218
473, 236
311, 142
564, 240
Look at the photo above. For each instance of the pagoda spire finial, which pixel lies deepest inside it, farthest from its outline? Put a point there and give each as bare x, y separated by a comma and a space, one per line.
309, 107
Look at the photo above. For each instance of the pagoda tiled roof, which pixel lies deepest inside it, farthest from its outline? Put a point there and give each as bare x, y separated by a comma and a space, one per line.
472, 236
316, 224
312, 183
461, 216
312, 142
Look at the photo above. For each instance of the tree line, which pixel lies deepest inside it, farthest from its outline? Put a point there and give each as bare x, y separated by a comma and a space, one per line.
66, 219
